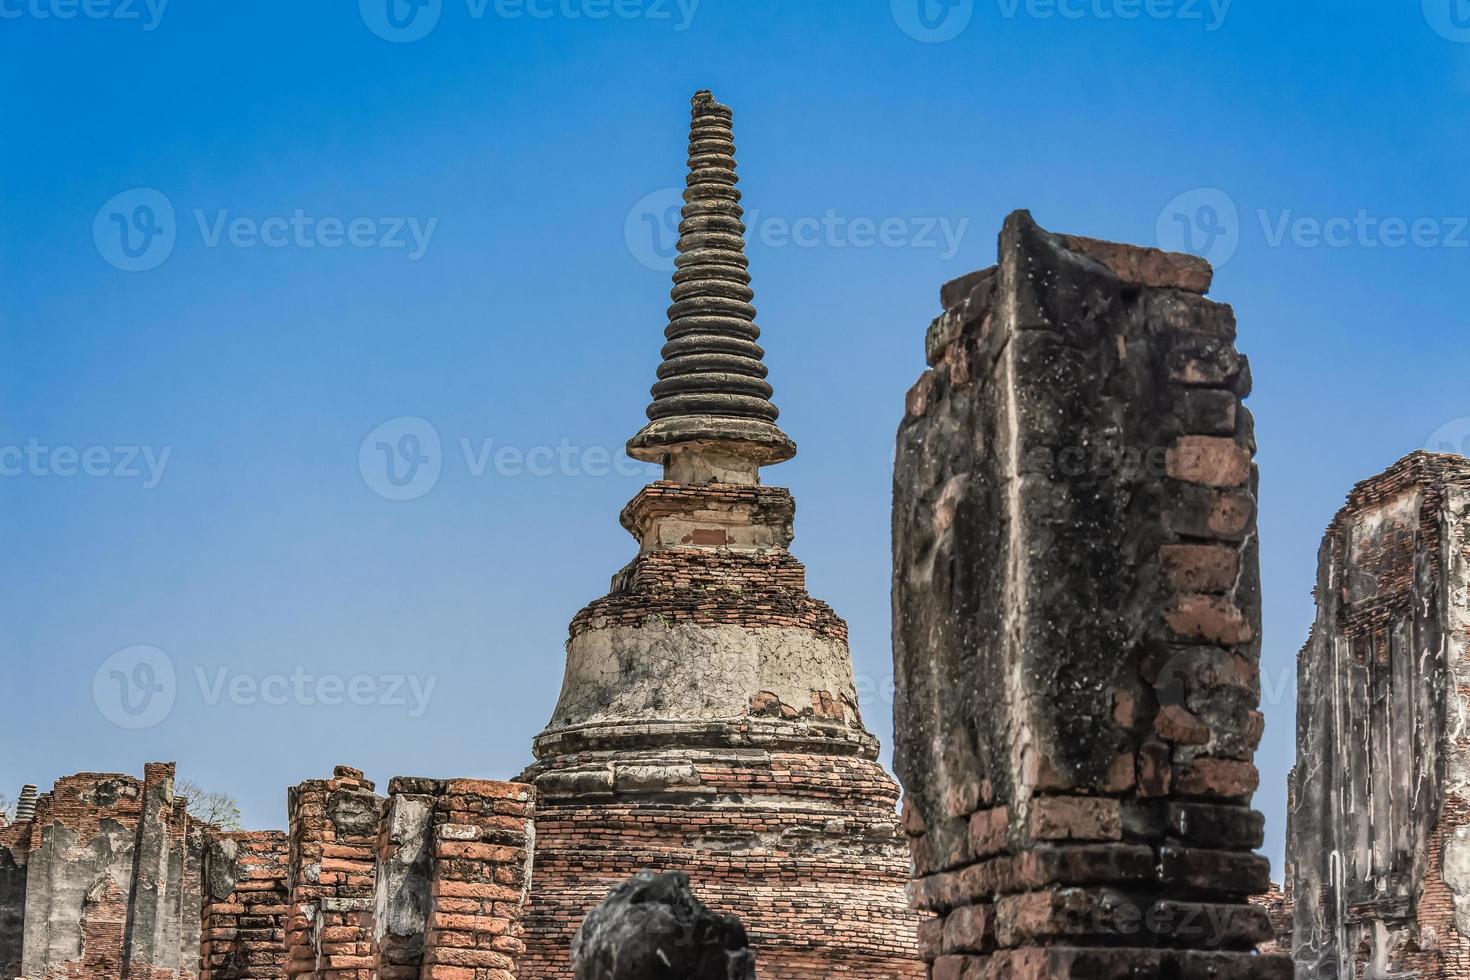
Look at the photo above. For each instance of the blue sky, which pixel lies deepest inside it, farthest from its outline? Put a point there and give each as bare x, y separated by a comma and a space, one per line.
459, 229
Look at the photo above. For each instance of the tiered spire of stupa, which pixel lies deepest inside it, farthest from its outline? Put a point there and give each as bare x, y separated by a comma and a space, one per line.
712, 418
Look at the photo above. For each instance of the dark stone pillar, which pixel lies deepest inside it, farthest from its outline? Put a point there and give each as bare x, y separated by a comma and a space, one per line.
1076, 622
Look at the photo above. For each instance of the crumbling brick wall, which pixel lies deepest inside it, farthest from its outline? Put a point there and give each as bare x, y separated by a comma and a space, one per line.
333, 844
1076, 622
110, 869
454, 867
1379, 842
246, 901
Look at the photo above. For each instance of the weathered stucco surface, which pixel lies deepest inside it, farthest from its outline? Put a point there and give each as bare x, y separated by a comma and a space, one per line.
1379, 845
691, 672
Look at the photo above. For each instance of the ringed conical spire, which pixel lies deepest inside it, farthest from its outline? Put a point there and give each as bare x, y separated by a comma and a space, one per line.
712, 397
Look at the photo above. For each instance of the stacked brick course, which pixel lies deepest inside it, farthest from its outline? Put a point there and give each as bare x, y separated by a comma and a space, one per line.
333, 845
454, 869
1379, 845
246, 904
1076, 623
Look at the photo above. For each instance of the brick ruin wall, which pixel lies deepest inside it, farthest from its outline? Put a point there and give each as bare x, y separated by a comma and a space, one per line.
112, 880
246, 902
1076, 639
1379, 839
1076, 623
103, 880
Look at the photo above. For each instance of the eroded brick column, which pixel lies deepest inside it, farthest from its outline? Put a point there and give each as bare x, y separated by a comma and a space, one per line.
482, 871
453, 873
246, 901
1379, 845
333, 838
1076, 622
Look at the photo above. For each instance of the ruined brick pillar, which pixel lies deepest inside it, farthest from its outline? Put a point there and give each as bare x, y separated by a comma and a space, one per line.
109, 867
708, 720
454, 866
1076, 623
1380, 823
333, 842
246, 902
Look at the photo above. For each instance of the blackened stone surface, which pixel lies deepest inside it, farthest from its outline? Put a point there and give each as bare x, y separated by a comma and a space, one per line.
12, 912
1026, 500
654, 928
1076, 621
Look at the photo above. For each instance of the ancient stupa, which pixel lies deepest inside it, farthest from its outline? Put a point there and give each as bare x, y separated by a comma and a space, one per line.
708, 721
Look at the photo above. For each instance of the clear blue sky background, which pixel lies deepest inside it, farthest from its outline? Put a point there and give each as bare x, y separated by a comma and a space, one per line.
530, 319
